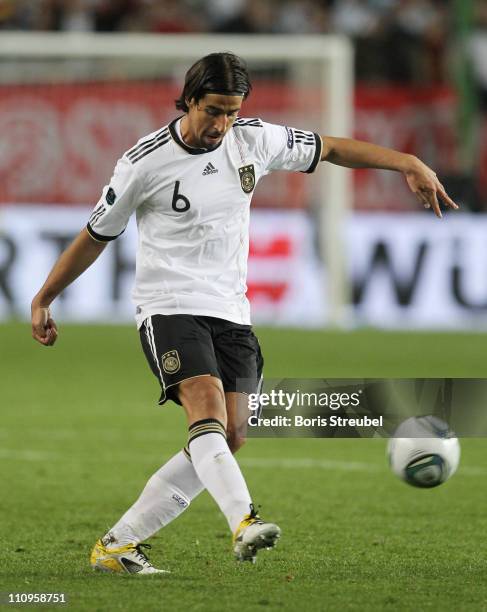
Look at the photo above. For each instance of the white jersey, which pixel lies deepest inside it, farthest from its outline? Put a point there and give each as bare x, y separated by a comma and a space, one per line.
192, 210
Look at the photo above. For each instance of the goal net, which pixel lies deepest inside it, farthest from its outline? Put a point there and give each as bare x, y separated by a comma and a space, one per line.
71, 104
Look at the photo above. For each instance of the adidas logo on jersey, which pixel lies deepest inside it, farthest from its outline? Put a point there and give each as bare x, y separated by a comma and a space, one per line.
210, 169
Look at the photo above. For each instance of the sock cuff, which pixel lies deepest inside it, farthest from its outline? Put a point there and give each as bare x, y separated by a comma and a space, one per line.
203, 427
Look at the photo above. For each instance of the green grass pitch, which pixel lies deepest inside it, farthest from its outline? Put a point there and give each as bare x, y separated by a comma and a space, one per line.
80, 434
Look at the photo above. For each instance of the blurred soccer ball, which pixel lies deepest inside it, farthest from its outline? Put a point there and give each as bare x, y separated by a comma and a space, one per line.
424, 451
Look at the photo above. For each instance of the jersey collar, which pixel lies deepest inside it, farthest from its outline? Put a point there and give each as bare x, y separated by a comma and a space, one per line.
181, 143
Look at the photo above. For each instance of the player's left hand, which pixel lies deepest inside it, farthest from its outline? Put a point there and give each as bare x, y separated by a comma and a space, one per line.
424, 183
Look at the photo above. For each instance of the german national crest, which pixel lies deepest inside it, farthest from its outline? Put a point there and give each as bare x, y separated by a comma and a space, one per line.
170, 362
111, 196
247, 177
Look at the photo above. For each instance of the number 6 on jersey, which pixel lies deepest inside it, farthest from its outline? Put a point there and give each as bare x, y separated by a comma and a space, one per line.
178, 196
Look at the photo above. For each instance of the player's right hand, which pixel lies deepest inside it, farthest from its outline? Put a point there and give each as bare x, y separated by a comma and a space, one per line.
44, 329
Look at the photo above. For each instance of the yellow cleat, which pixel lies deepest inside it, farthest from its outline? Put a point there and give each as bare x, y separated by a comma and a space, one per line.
127, 559
252, 534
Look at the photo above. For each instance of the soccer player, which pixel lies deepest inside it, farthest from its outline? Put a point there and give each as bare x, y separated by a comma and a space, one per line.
190, 185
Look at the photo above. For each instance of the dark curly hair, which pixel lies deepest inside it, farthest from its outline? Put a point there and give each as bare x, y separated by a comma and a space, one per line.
222, 73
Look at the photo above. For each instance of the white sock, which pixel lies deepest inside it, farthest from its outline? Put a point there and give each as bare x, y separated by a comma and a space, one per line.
166, 495
218, 470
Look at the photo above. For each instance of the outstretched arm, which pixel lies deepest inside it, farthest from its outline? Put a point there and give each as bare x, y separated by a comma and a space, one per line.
79, 256
421, 179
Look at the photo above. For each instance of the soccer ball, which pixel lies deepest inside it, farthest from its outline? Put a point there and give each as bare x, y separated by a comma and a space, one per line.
424, 452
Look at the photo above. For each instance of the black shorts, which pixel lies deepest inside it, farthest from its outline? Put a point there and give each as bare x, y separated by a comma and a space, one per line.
179, 347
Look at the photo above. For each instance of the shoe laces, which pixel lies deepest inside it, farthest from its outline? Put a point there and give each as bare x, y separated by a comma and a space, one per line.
254, 512
141, 555
254, 517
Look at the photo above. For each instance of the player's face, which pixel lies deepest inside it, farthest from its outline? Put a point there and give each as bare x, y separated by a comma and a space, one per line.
209, 119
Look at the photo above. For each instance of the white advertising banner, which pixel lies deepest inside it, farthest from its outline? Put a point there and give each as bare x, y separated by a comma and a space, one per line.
415, 271
284, 282
406, 270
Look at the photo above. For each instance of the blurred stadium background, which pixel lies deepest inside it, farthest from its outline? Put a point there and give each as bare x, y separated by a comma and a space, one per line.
74, 416
419, 86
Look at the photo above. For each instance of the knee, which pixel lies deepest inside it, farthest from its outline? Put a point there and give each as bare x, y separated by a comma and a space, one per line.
203, 397
210, 393
235, 440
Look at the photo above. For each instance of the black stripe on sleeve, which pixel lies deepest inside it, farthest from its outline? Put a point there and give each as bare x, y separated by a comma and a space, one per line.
153, 147
95, 216
134, 154
146, 142
240, 122
317, 155
99, 237
97, 210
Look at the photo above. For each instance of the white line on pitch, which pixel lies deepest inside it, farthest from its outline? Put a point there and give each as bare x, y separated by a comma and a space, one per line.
28, 455
69, 434
250, 462
305, 462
